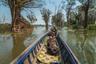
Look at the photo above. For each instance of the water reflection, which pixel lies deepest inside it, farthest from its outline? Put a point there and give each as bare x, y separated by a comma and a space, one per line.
11, 45
83, 44
6, 46
18, 43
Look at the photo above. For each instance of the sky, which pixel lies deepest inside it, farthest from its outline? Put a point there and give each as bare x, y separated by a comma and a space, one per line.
52, 5
49, 4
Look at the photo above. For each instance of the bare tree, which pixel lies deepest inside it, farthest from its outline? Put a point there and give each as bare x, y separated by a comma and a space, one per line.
70, 4
46, 15
16, 6
86, 5
92, 16
58, 20
32, 18
3, 19
86, 8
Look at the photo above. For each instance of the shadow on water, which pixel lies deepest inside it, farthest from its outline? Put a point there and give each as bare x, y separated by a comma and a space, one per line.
85, 51
18, 43
6, 46
82, 43
13, 44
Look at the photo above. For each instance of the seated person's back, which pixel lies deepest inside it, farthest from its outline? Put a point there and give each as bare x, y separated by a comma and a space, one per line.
52, 47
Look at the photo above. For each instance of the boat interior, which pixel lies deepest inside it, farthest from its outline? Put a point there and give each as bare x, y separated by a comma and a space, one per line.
41, 52
43, 55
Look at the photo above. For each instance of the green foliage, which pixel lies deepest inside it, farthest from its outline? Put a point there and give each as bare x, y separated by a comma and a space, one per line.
75, 26
58, 20
5, 28
83, 15
73, 22
70, 4
92, 27
92, 16
65, 24
46, 16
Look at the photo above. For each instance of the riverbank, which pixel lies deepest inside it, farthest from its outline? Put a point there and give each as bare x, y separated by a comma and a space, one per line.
12, 44
5, 28
82, 43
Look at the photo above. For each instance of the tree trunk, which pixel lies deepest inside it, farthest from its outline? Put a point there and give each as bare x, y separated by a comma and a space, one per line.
86, 14
46, 26
15, 12
68, 14
68, 21
15, 9
86, 19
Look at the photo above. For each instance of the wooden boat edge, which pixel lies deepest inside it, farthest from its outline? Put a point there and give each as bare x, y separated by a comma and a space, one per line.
69, 49
28, 49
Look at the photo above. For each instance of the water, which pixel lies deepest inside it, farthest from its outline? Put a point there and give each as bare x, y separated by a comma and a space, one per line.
11, 45
82, 43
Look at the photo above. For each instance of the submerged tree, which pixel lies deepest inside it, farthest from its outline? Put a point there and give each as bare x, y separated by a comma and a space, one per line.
46, 16
92, 16
31, 17
85, 7
70, 4
16, 6
58, 20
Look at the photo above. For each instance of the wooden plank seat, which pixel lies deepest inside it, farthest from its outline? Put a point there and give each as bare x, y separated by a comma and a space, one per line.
37, 53
44, 57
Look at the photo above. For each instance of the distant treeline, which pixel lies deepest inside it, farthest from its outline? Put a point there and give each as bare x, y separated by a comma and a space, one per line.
42, 25
5, 28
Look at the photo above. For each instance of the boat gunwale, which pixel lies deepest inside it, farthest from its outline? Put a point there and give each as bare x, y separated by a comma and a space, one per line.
22, 57
27, 51
69, 50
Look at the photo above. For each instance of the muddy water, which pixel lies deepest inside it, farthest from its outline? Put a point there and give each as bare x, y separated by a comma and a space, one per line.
82, 43
11, 45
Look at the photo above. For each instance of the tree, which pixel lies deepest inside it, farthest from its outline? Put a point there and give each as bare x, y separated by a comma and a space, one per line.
92, 16
16, 6
31, 17
74, 19
58, 20
46, 16
86, 5
70, 4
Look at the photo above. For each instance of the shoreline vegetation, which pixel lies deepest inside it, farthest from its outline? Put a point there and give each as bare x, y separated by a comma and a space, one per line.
7, 27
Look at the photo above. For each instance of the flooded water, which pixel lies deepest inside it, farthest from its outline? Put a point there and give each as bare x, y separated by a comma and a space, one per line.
83, 44
11, 45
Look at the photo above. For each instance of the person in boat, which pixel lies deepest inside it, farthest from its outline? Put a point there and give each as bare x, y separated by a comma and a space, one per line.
52, 47
53, 31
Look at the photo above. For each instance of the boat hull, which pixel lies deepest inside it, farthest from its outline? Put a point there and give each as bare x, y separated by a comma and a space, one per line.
30, 54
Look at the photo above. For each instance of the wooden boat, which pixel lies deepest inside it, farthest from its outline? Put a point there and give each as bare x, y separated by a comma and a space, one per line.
37, 53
